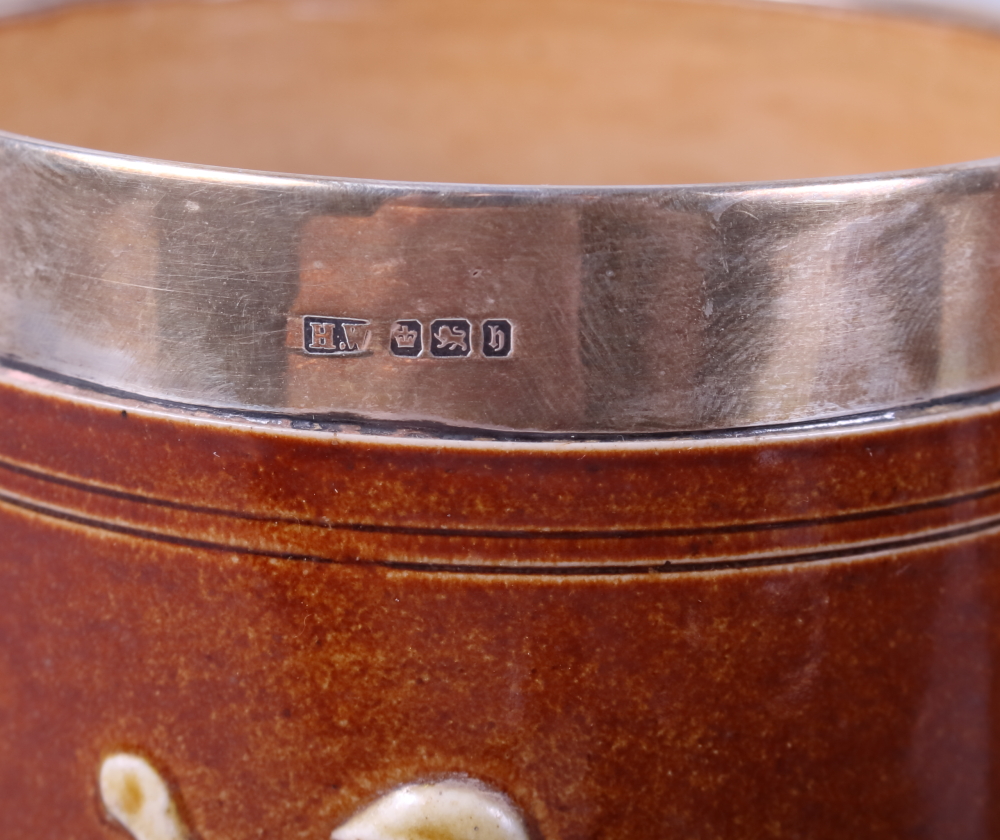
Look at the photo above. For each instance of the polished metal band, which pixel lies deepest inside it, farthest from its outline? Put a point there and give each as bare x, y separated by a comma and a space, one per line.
551, 310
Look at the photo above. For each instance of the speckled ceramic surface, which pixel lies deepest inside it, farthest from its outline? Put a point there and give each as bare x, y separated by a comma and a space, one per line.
228, 614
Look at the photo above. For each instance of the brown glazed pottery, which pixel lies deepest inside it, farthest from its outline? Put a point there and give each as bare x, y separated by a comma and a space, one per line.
290, 623
615, 513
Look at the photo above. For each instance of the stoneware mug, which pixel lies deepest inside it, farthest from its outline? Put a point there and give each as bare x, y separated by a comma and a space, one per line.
389, 501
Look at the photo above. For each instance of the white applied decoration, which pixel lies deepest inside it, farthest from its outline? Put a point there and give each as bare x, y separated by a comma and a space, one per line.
453, 809
136, 796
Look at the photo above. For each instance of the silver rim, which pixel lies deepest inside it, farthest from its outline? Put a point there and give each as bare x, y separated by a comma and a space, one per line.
517, 309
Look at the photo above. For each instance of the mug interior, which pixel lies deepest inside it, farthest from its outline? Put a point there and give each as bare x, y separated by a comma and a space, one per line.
505, 91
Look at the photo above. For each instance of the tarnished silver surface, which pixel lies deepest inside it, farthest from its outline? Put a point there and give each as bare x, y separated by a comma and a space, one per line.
556, 310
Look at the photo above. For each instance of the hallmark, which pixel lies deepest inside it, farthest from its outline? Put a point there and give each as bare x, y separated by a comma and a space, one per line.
447, 338
324, 336
406, 338
498, 338
451, 338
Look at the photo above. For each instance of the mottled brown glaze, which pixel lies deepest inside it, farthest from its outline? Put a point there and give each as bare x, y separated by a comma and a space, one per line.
288, 623
269, 488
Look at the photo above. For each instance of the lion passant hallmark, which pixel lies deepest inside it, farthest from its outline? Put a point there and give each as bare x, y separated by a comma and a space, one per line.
446, 338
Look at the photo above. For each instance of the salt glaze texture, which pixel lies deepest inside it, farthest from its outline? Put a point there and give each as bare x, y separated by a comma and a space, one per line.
138, 798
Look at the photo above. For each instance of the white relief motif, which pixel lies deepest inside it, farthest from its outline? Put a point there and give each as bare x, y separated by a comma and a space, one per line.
137, 797
453, 809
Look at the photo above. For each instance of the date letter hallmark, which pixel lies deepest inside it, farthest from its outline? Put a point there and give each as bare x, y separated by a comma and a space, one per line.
498, 338
406, 338
322, 336
451, 338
